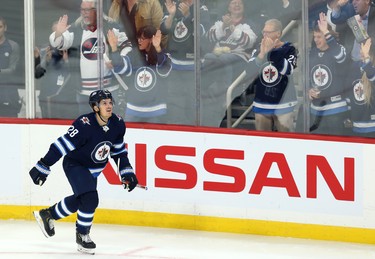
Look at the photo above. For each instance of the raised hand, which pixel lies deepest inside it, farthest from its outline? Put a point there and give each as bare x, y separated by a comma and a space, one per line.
171, 7
342, 2
61, 25
184, 9
156, 39
365, 49
322, 23
112, 40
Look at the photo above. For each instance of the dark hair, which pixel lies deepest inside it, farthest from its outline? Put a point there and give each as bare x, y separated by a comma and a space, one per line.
146, 31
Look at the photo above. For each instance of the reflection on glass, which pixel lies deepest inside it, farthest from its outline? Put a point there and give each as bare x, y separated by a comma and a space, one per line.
11, 63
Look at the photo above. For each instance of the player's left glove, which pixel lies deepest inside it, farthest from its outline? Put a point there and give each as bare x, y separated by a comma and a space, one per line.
128, 178
39, 173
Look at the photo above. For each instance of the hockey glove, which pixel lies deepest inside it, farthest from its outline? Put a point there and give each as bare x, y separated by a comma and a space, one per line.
39, 173
128, 178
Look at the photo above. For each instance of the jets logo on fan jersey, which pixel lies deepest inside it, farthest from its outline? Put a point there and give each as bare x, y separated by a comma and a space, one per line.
145, 79
321, 77
181, 32
269, 75
101, 152
358, 92
90, 49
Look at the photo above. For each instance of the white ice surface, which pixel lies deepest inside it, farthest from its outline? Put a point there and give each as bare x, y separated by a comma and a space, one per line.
23, 239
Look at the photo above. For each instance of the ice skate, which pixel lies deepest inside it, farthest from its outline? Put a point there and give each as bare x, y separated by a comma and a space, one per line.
45, 222
85, 244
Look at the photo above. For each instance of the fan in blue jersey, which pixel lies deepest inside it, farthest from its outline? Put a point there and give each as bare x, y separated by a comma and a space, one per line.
362, 82
86, 148
178, 24
275, 94
147, 75
328, 90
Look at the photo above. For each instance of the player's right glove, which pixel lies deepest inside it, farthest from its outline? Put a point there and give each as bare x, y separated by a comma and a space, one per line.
128, 178
39, 173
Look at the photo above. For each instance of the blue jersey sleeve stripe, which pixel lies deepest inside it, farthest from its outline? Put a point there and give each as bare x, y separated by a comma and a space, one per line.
60, 147
117, 153
68, 144
118, 146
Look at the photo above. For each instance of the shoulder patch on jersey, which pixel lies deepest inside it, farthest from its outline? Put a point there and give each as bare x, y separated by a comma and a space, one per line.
119, 117
85, 120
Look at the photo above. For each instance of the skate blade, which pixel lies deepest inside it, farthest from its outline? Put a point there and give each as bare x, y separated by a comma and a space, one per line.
40, 223
85, 250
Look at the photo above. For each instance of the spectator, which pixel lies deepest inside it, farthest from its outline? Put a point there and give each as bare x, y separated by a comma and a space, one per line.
10, 101
330, 4
57, 95
83, 37
363, 94
178, 24
135, 14
342, 10
86, 148
328, 89
275, 93
147, 94
233, 39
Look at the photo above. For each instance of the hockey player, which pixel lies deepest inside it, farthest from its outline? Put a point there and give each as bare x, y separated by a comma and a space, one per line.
86, 146
82, 36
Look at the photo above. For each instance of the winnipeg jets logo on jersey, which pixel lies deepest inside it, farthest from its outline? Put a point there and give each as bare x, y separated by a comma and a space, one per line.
269, 75
85, 120
321, 77
358, 92
181, 32
145, 79
90, 48
101, 152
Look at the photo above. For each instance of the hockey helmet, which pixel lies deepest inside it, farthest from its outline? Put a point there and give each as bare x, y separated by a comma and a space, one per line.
97, 96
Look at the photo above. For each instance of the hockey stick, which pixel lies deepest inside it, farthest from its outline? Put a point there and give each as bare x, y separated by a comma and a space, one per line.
126, 186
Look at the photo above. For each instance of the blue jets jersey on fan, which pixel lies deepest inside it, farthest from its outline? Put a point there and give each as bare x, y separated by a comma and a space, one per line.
363, 114
327, 70
275, 92
90, 144
147, 91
